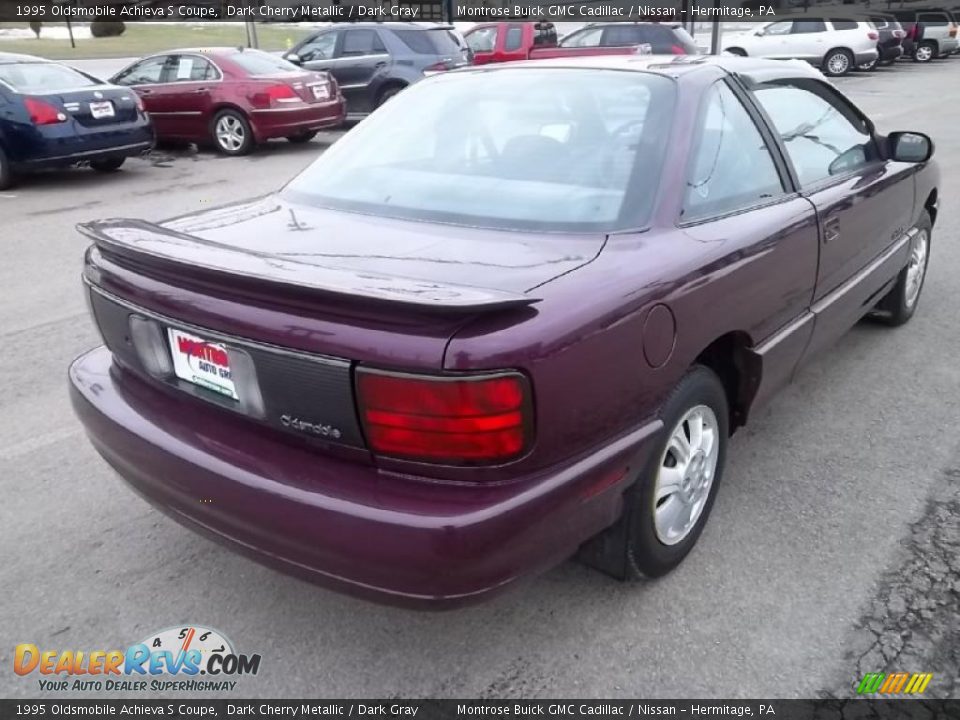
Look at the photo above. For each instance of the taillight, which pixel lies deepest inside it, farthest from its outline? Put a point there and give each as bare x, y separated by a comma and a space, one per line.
872, 35
482, 419
43, 113
274, 95
953, 31
139, 102
678, 50
899, 34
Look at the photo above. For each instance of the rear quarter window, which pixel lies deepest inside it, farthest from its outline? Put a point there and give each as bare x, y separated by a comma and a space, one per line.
257, 63
844, 24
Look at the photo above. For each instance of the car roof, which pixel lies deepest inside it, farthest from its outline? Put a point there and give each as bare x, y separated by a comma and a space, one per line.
675, 66
9, 58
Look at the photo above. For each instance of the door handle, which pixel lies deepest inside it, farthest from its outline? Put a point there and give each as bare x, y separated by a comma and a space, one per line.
144, 92
380, 65
831, 230
201, 91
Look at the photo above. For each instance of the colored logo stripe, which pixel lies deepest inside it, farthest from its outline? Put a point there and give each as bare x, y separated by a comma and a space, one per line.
894, 683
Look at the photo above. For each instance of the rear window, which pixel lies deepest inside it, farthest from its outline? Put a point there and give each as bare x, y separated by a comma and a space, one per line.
258, 63
531, 149
43, 77
437, 41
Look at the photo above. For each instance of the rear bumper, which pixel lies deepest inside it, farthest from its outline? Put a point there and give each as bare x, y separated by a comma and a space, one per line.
283, 122
62, 145
344, 524
892, 52
866, 56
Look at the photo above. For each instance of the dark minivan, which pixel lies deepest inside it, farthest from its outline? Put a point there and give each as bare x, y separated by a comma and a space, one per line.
372, 62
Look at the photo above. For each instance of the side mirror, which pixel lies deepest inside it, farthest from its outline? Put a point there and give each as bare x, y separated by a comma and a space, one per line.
911, 147
293, 57
759, 32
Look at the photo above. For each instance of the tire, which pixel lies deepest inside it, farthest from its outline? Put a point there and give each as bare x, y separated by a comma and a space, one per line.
737, 51
107, 166
898, 306
388, 93
655, 549
925, 52
837, 62
6, 172
232, 134
302, 138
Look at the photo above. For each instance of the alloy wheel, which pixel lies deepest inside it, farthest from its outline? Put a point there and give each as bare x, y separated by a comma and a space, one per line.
685, 476
838, 64
924, 53
916, 268
230, 133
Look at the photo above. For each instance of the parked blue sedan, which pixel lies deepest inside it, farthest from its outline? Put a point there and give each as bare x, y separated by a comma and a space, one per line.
53, 116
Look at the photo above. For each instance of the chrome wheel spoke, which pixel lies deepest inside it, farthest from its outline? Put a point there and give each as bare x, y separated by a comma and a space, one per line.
685, 475
670, 482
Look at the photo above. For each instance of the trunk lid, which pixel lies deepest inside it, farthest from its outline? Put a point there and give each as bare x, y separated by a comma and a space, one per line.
354, 257
97, 107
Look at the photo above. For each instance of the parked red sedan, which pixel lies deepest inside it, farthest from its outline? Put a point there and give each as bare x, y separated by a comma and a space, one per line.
233, 97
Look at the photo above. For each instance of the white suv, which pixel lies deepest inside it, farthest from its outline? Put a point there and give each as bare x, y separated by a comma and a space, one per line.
835, 46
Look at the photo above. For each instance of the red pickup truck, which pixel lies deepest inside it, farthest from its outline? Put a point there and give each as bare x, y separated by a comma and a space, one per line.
507, 41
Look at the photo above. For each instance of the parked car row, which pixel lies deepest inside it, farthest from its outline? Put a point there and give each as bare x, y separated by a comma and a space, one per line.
52, 115
839, 45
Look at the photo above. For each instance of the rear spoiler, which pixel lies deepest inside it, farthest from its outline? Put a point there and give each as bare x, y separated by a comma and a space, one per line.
152, 245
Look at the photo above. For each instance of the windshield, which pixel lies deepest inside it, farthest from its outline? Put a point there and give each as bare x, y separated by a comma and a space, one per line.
43, 77
548, 149
256, 63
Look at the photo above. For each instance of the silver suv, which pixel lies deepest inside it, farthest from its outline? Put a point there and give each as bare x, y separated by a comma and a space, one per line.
836, 46
931, 32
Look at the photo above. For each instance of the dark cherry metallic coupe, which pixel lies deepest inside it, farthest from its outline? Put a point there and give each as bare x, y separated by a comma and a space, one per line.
514, 315
232, 97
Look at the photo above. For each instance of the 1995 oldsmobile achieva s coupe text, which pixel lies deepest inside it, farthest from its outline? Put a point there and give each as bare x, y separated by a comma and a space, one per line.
513, 315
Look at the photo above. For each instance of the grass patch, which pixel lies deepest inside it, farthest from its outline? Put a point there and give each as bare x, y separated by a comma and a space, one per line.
143, 39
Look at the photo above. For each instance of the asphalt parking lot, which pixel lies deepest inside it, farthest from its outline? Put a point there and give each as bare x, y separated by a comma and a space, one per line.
832, 551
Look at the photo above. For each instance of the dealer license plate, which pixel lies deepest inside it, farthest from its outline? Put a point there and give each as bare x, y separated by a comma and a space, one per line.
201, 362
320, 92
102, 109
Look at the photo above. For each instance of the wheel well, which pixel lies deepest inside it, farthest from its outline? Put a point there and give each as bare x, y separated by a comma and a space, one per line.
389, 85
848, 51
217, 109
737, 51
930, 205
728, 356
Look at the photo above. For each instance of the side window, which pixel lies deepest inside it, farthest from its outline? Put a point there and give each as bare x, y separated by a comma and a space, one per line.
483, 40
778, 28
932, 19
190, 68
361, 42
147, 72
319, 48
823, 135
621, 36
585, 38
514, 38
802, 27
732, 168
843, 24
